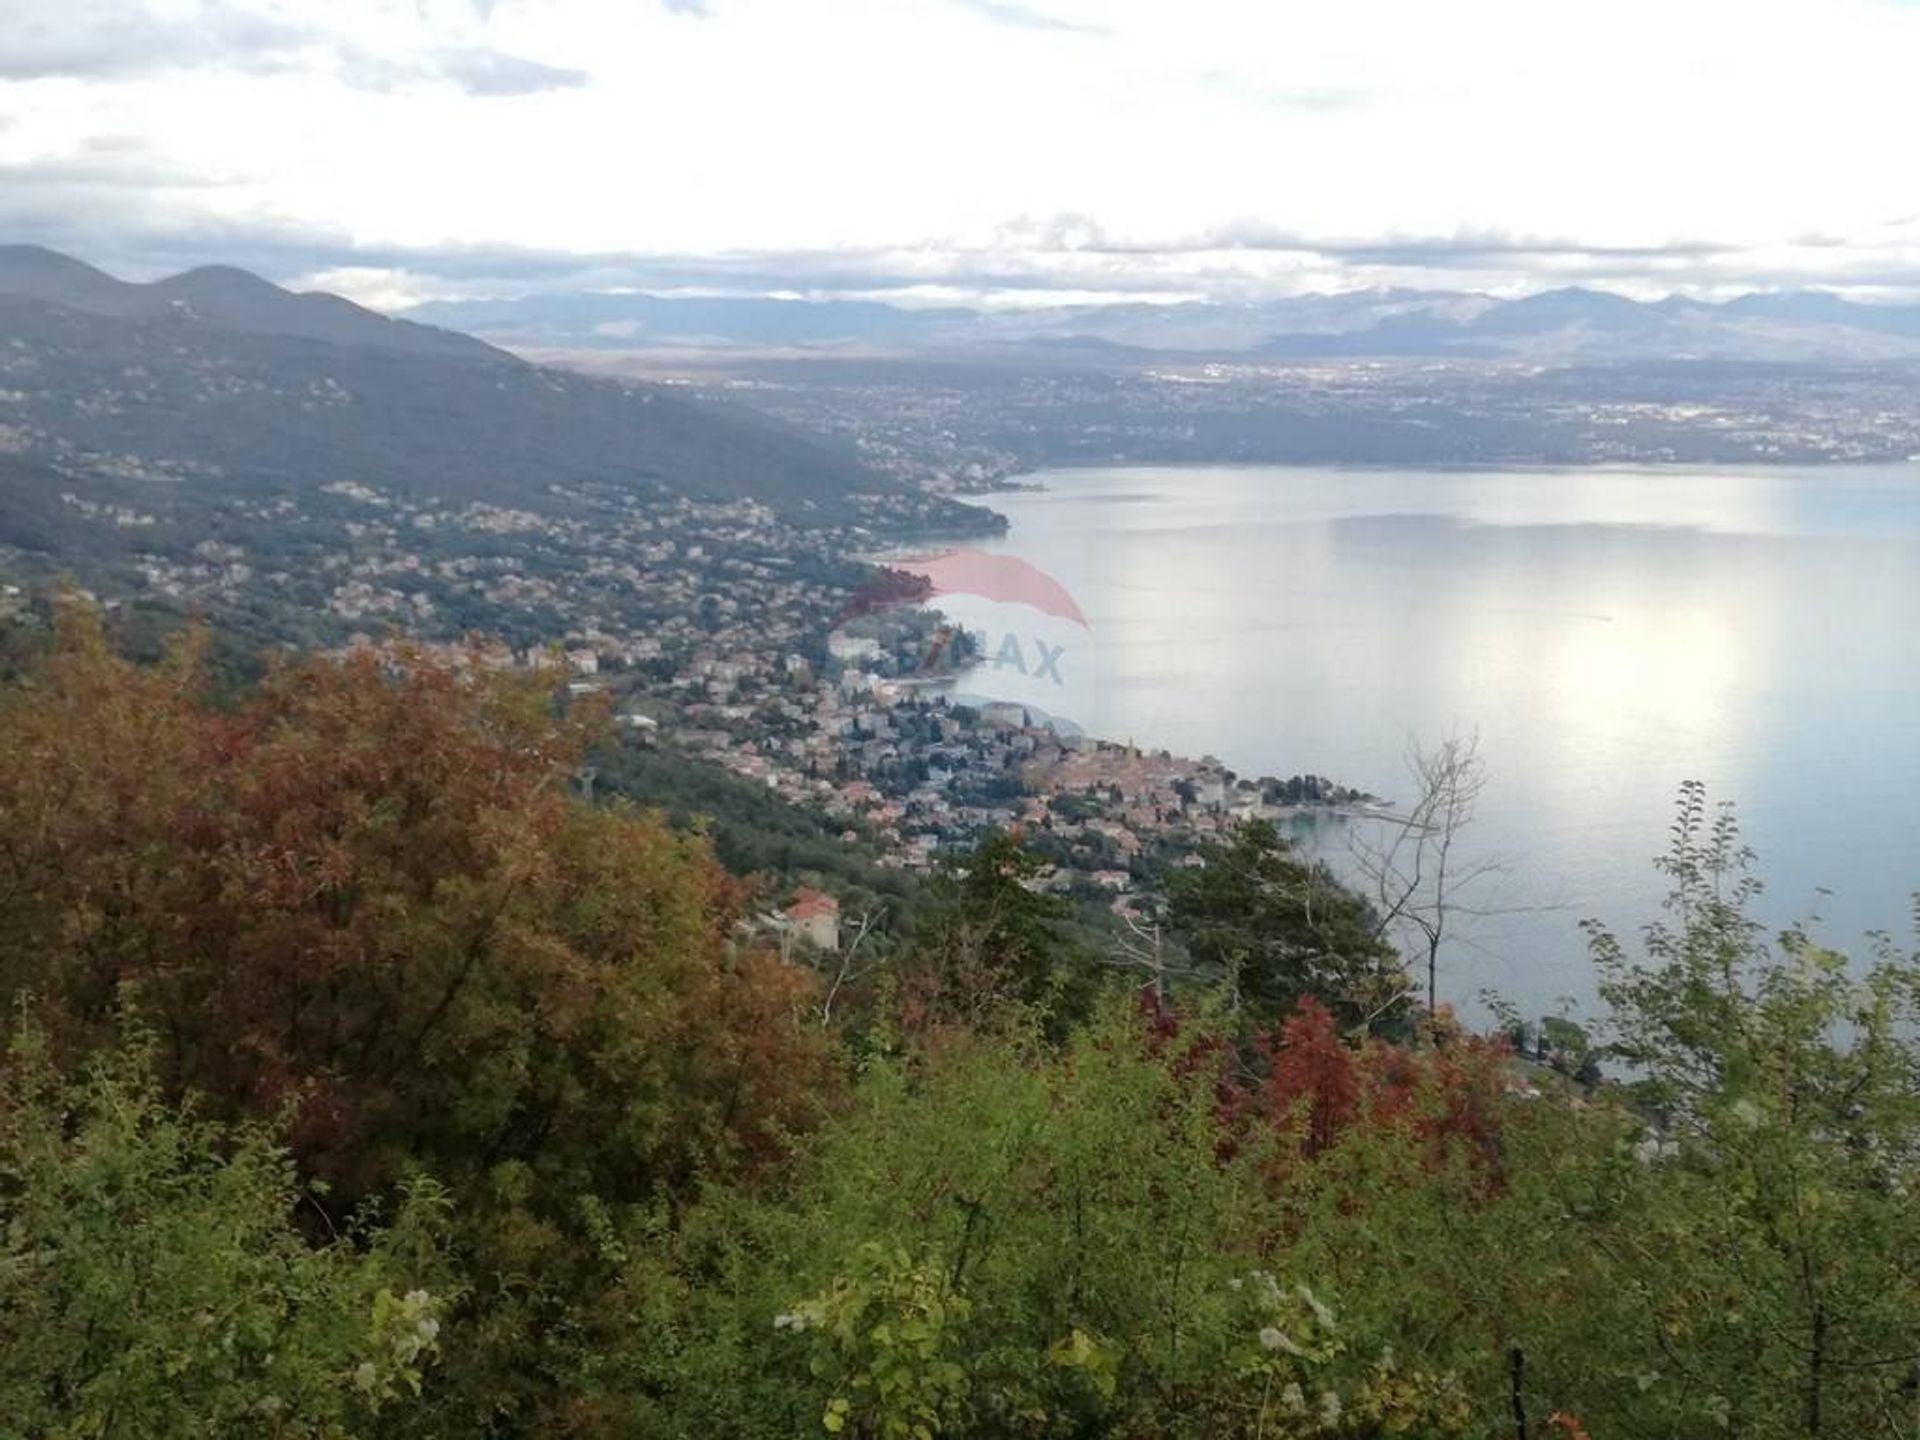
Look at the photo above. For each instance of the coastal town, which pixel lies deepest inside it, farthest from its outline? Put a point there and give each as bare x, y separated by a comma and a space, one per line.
921, 773
725, 635
730, 632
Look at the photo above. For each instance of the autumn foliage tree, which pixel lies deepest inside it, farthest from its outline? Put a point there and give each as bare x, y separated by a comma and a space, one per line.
367, 895
363, 901
1316, 1085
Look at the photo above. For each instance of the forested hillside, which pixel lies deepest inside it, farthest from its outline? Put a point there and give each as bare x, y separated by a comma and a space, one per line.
177, 397
364, 1079
216, 439
222, 297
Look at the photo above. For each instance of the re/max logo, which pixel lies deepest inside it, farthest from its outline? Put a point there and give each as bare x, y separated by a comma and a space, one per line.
1036, 660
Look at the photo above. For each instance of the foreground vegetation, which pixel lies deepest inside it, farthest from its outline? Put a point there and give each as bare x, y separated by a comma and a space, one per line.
363, 1081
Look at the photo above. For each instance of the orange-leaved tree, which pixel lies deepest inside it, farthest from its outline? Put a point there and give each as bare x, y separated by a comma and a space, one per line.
366, 897
364, 903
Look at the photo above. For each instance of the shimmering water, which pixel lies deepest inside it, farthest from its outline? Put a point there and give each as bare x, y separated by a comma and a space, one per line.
1607, 633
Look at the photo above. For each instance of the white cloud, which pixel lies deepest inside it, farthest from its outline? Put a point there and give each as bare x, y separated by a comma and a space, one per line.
1235, 147
1028, 17
118, 39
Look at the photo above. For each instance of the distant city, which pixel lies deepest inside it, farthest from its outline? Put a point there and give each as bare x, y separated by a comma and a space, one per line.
956, 398
963, 427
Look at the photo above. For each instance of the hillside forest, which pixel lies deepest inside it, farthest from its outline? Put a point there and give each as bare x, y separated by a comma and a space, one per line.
366, 1078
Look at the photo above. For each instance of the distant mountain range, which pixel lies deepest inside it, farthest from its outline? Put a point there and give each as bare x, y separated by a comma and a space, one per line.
220, 380
1810, 327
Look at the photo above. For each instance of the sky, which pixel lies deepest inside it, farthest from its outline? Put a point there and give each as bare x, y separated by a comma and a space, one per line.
1001, 152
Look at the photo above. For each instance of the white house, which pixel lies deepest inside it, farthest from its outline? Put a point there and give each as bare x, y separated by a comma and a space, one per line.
814, 916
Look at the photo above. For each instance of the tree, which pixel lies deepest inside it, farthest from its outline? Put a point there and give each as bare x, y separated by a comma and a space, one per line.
863, 951
995, 935
1775, 1256
152, 1282
1012, 1237
1272, 928
1144, 948
366, 894
364, 900
1414, 874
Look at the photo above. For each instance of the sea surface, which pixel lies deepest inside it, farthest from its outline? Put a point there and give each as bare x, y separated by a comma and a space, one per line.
1607, 634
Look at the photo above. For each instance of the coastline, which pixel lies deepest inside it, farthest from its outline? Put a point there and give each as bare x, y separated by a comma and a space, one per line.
1463, 467
1088, 760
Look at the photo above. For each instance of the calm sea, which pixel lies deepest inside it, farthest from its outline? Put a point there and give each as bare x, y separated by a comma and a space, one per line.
1607, 633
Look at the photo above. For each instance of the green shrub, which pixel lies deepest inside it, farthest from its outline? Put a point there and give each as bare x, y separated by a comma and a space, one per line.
153, 1284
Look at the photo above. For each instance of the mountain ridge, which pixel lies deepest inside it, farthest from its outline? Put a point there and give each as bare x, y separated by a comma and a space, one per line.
219, 379
227, 297
1569, 323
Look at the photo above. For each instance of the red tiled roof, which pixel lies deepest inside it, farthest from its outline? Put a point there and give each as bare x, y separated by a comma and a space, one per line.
808, 903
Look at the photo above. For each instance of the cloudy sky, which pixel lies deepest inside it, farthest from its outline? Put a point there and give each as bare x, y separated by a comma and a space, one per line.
1011, 150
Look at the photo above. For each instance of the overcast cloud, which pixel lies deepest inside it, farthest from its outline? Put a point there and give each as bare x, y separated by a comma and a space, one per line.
942, 149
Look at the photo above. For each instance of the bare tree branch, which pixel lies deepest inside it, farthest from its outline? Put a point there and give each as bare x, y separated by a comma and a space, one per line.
850, 972
1415, 876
